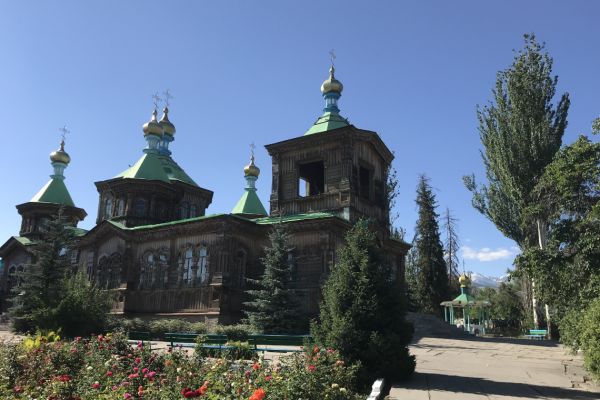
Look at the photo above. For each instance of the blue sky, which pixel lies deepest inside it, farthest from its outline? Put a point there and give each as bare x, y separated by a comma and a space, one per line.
250, 71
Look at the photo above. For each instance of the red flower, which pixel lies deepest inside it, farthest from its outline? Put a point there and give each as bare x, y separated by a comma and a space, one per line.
256, 366
109, 373
96, 385
315, 349
259, 394
311, 368
64, 378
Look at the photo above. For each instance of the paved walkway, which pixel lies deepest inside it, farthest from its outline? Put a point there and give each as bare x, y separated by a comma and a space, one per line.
487, 368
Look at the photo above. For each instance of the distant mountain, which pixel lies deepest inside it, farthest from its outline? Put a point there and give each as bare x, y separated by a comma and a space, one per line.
480, 280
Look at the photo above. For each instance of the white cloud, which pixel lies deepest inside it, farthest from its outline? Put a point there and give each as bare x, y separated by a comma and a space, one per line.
485, 254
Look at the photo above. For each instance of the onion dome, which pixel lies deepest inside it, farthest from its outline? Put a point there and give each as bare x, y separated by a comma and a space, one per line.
331, 84
152, 127
167, 125
60, 155
251, 169
464, 280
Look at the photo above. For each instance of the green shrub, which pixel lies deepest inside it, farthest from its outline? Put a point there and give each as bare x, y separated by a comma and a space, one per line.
590, 337
239, 332
234, 350
570, 329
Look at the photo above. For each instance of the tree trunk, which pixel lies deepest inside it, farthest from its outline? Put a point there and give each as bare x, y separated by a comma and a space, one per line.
541, 230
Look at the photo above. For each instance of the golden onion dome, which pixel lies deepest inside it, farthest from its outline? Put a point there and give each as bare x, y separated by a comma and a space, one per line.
464, 280
60, 155
251, 169
331, 84
152, 127
167, 125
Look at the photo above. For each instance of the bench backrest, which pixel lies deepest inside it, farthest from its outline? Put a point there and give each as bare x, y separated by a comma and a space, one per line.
177, 337
279, 340
538, 332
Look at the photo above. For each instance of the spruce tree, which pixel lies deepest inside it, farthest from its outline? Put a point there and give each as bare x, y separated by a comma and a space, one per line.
432, 274
40, 286
362, 312
273, 307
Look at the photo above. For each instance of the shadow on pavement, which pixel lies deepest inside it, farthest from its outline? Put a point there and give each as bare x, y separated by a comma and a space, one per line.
481, 386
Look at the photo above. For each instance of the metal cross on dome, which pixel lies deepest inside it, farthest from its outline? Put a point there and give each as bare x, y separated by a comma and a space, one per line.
332, 56
156, 99
168, 97
64, 131
252, 147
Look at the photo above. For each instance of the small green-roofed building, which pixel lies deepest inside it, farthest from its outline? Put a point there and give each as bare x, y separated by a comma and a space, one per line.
55, 191
466, 302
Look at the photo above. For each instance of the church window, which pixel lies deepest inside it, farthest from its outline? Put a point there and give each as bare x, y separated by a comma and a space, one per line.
140, 207
108, 275
193, 211
90, 265
19, 275
121, 207
364, 180
12, 276
108, 207
148, 271
311, 179
162, 277
188, 267
102, 273
203, 265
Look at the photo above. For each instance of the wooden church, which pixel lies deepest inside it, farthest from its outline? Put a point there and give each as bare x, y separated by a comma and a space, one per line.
159, 253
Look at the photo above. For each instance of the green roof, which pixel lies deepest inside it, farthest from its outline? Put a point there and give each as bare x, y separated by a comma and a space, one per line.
54, 191
23, 240
327, 122
249, 203
292, 218
170, 223
157, 167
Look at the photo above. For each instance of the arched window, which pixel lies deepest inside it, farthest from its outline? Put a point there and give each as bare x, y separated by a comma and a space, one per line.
162, 278
188, 267
108, 207
102, 274
193, 211
139, 207
114, 271
202, 265
12, 276
121, 207
20, 271
147, 271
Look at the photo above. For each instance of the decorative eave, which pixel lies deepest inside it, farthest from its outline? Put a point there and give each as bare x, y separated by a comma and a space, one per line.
339, 135
17, 241
50, 208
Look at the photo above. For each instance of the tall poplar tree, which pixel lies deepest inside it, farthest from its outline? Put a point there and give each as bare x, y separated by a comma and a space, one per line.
273, 307
521, 130
432, 283
451, 247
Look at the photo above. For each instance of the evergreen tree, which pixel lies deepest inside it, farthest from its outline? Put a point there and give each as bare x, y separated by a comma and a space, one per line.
451, 247
432, 283
273, 307
41, 284
412, 280
362, 312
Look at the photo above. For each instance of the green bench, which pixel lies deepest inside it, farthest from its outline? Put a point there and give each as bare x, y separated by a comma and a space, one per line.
177, 339
265, 343
143, 337
537, 334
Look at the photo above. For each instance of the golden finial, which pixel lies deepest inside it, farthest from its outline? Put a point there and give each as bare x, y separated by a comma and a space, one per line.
167, 125
152, 127
331, 84
251, 169
61, 155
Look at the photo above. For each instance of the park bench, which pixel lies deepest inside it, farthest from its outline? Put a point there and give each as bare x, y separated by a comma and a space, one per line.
537, 334
177, 339
278, 343
144, 337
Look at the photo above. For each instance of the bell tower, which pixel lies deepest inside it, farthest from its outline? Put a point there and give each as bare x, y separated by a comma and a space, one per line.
334, 167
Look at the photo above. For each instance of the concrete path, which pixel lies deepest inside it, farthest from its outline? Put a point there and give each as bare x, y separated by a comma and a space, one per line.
473, 368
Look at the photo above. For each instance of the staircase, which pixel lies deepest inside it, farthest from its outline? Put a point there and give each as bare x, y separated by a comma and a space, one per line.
427, 325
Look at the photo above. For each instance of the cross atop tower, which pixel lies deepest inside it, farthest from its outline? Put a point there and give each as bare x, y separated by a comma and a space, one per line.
64, 131
156, 99
252, 147
332, 56
168, 96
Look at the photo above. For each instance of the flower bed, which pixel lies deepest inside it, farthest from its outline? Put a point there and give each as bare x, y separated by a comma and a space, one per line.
107, 367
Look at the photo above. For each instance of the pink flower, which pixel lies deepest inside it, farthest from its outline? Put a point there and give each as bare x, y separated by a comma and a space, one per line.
144, 370
135, 369
138, 360
311, 368
96, 385
109, 373
127, 396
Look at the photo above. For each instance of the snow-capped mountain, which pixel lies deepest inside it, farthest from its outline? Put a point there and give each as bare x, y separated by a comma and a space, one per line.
480, 280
